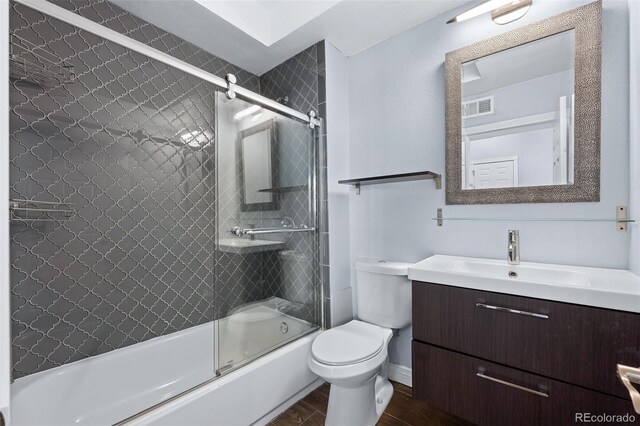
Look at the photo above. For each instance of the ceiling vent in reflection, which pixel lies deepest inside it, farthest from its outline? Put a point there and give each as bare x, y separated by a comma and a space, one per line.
477, 107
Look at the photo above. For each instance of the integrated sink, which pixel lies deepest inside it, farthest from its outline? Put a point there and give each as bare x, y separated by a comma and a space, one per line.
535, 274
246, 246
607, 288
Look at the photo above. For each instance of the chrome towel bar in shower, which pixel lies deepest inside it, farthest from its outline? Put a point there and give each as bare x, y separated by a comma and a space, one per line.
239, 232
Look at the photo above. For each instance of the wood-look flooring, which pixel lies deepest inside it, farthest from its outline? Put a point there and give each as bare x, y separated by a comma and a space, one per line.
403, 410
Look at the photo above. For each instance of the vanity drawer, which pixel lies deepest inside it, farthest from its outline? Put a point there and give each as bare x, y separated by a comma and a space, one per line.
572, 343
486, 393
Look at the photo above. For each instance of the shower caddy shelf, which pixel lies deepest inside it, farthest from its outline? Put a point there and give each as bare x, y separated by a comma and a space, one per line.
399, 177
31, 63
40, 211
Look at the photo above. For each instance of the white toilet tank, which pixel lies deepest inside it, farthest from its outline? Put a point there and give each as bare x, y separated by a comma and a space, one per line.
383, 293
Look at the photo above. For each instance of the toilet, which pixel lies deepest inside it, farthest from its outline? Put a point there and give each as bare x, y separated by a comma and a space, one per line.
354, 357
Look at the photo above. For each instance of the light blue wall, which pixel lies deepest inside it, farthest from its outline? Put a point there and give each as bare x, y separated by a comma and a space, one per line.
634, 136
396, 124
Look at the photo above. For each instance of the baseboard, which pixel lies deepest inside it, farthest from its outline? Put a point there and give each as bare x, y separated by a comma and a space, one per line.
400, 373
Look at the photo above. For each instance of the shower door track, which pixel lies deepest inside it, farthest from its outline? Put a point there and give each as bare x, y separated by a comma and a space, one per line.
88, 25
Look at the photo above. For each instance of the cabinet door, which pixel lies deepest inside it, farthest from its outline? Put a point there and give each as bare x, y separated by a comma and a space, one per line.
486, 393
577, 344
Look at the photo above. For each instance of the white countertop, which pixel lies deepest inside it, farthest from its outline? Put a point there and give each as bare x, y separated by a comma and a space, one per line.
604, 288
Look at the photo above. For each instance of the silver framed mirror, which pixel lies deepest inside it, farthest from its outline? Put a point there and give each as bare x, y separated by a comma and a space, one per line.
523, 114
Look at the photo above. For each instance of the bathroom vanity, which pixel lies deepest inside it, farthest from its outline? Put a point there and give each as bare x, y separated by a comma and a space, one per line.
500, 342
522, 352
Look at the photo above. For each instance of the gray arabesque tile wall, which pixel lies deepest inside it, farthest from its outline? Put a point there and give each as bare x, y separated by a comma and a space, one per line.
138, 258
301, 80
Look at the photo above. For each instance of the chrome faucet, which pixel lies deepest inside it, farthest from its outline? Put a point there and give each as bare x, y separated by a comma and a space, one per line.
513, 248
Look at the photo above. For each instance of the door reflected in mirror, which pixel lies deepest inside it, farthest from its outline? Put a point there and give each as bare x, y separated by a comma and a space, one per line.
518, 116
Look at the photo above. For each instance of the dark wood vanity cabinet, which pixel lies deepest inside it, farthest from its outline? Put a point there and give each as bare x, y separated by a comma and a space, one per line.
498, 359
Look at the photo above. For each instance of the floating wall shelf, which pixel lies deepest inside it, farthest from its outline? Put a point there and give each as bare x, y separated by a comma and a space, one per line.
401, 177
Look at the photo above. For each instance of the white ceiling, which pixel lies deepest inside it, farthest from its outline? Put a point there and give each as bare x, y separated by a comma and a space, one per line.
257, 35
268, 21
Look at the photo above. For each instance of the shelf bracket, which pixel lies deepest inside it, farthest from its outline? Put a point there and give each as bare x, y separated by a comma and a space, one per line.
439, 217
621, 218
438, 181
357, 188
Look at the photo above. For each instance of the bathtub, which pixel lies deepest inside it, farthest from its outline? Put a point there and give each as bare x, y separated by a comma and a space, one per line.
108, 388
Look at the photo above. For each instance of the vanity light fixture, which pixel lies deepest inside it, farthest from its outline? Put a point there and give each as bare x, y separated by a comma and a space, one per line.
502, 11
511, 12
247, 112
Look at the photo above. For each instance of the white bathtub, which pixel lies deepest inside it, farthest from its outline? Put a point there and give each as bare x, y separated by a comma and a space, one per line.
109, 388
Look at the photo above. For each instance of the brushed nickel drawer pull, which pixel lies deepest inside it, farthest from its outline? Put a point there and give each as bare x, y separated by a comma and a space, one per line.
481, 374
511, 311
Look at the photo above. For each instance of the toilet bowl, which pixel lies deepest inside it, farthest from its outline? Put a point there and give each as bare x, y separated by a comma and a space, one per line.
354, 357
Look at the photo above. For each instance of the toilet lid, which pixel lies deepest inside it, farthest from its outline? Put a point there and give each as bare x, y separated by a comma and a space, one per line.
348, 344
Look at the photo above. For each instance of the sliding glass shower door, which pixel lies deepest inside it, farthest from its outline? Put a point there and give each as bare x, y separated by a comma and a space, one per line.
267, 290
112, 187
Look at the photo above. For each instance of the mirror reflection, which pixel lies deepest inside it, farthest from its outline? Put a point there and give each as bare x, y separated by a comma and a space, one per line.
517, 116
257, 167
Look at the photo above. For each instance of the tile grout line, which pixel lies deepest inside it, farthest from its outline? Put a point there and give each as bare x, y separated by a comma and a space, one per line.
314, 410
324, 414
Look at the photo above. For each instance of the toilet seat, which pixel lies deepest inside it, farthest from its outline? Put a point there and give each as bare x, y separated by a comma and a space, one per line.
347, 344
